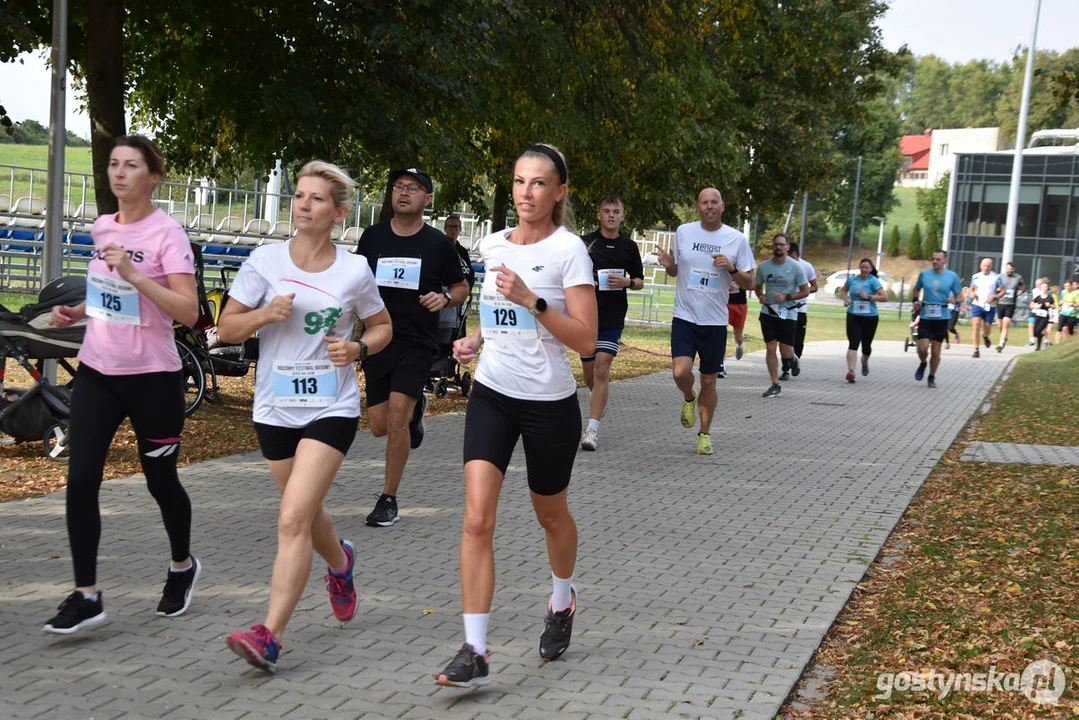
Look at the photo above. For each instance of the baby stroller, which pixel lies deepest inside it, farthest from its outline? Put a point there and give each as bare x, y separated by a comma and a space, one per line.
912, 340
445, 370
40, 412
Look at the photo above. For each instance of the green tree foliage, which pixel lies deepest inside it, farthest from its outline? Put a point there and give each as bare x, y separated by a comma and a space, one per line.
933, 203
933, 94
27, 132
871, 135
931, 241
914, 244
651, 100
1045, 111
893, 243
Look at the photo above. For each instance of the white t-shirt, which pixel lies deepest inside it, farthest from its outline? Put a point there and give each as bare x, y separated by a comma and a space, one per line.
520, 357
293, 385
701, 289
986, 286
811, 275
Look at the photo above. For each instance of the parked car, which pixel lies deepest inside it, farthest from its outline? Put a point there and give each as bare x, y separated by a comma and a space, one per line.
836, 280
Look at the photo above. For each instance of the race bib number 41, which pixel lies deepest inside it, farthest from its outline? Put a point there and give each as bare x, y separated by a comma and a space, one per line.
112, 300
704, 280
304, 383
398, 272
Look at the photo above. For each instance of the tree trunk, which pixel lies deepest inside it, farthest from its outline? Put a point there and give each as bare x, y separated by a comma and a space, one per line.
387, 204
500, 208
105, 90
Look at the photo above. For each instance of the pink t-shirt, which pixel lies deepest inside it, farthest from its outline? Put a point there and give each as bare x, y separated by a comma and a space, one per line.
158, 247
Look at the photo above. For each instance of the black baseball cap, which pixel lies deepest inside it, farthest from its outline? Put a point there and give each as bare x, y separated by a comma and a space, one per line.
420, 175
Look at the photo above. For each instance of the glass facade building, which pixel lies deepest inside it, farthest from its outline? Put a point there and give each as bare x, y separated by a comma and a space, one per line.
1047, 228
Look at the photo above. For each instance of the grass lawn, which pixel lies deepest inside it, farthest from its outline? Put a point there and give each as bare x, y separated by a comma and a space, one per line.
982, 572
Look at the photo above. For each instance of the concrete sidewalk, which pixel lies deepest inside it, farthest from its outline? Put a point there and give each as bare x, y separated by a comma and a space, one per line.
706, 583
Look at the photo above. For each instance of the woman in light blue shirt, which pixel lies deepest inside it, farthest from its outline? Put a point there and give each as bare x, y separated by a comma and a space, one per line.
861, 293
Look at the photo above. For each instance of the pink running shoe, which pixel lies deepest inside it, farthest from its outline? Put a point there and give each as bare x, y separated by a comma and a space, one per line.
342, 591
258, 647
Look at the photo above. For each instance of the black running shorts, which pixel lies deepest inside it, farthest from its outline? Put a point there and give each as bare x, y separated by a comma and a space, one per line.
549, 429
279, 443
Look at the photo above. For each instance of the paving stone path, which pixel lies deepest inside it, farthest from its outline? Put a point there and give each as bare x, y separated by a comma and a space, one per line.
706, 583
1018, 453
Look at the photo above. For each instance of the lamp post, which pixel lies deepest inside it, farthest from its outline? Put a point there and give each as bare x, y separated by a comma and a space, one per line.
880, 240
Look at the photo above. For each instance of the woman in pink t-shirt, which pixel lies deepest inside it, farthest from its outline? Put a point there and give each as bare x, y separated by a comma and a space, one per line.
140, 279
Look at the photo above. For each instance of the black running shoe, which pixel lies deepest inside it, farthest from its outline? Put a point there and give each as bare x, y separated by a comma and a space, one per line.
179, 588
557, 629
773, 391
920, 372
417, 428
76, 613
385, 512
865, 369
467, 669
785, 376
987, 341
796, 367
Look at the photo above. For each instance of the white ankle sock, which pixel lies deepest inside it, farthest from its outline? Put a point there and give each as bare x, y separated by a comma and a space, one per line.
476, 630
593, 424
90, 596
560, 596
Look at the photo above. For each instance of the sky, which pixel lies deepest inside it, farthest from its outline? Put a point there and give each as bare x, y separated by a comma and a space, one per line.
955, 30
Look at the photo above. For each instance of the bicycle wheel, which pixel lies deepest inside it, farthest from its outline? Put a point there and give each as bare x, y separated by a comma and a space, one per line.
194, 378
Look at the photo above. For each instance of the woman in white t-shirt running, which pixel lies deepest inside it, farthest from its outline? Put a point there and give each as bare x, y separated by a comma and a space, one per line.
303, 296
537, 298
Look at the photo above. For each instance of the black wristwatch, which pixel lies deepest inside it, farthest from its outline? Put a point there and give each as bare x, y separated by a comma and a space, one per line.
541, 305
363, 353
449, 299
788, 297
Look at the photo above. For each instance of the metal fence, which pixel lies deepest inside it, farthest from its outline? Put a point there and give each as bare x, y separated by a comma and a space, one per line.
228, 223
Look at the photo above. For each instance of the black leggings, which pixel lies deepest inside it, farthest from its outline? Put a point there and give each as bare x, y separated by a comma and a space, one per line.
860, 331
952, 321
1040, 325
800, 334
155, 404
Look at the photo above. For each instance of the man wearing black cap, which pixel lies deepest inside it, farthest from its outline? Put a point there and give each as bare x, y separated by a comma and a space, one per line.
412, 262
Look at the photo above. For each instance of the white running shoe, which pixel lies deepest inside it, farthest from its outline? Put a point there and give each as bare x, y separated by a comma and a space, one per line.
589, 439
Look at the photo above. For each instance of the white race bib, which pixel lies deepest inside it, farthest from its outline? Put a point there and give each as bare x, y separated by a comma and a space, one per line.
112, 300
1040, 312
501, 318
782, 312
931, 312
604, 277
704, 280
398, 272
860, 307
1009, 293
304, 383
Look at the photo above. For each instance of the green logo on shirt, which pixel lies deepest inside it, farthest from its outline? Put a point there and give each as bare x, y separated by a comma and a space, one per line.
321, 321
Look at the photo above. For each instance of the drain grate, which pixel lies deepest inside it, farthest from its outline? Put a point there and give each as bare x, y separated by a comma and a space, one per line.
829, 404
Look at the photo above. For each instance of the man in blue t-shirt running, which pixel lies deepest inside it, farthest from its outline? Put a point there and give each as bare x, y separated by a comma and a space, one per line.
933, 291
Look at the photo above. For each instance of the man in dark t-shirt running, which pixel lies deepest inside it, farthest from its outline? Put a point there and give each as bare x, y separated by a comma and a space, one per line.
616, 267
412, 263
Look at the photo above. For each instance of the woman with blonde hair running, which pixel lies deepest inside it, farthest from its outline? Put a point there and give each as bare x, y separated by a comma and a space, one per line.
303, 297
537, 299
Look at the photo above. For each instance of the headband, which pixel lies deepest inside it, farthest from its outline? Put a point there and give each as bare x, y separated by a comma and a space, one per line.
554, 156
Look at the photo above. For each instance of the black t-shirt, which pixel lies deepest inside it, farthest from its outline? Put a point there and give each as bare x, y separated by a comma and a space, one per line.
405, 268
621, 253
1044, 302
737, 298
466, 264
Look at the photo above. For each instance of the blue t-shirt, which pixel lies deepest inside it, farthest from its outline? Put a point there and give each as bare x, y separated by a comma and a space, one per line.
785, 278
855, 286
936, 289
